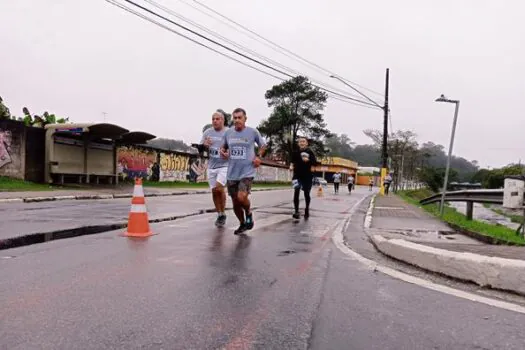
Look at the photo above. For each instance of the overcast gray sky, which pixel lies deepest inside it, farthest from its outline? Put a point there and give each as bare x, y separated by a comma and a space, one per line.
79, 58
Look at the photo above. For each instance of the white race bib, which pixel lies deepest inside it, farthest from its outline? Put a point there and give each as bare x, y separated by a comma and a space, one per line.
214, 153
238, 152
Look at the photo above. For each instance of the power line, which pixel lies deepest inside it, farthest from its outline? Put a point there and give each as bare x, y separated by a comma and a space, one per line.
241, 47
272, 45
234, 51
138, 14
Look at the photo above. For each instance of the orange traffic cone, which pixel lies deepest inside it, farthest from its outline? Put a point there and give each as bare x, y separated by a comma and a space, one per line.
138, 222
320, 191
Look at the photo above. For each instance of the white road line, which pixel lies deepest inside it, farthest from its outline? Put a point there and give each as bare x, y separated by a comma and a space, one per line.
338, 240
368, 217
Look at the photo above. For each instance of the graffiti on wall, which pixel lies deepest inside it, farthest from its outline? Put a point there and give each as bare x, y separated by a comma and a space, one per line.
137, 162
198, 167
5, 148
174, 167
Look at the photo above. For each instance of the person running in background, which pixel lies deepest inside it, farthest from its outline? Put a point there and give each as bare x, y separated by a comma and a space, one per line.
239, 146
217, 165
351, 183
302, 161
387, 183
337, 181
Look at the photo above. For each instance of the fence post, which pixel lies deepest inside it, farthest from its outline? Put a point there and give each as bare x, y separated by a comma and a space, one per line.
470, 210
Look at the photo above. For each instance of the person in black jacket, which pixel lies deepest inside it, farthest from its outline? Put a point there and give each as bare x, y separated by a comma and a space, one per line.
302, 161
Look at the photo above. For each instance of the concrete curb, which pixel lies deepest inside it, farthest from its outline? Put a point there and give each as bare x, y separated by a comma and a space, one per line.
486, 271
370, 211
113, 196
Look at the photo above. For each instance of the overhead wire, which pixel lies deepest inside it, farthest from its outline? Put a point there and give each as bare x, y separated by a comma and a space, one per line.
276, 47
244, 48
138, 14
229, 49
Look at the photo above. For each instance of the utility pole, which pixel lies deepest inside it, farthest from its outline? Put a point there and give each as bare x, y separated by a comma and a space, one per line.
385, 136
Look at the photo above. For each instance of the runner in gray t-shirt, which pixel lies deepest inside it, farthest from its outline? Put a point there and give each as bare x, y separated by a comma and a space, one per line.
217, 166
239, 146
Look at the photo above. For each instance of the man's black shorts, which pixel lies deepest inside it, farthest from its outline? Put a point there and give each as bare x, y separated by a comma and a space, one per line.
242, 185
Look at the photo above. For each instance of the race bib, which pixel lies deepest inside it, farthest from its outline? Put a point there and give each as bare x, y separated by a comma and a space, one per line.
214, 153
238, 152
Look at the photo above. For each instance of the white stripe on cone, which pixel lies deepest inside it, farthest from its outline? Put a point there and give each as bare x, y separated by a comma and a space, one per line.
138, 208
138, 191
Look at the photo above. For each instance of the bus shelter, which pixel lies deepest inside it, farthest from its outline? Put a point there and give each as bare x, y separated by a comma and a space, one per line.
86, 153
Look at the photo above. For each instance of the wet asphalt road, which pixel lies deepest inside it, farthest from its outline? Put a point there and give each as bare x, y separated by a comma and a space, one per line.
192, 286
18, 219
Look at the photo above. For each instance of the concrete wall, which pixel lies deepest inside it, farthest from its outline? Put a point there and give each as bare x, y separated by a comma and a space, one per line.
158, 165
22, 151
12, 149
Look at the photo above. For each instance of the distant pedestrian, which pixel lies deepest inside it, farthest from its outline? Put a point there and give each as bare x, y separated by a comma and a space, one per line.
387, 182
350, 183
370, 183
337, 180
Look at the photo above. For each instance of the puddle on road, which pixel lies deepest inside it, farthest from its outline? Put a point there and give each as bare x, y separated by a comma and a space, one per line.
286, 252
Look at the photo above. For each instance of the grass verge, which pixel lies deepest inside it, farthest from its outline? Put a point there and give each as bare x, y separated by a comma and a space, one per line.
453, 217
8, 184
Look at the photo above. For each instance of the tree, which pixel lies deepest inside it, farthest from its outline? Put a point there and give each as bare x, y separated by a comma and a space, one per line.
402, 150
433, 178
340, 146
297, 107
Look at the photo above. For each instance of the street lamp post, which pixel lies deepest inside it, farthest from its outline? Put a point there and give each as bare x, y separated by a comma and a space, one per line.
442, 98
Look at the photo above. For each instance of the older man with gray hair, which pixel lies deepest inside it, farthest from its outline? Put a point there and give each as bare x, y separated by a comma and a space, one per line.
217, 165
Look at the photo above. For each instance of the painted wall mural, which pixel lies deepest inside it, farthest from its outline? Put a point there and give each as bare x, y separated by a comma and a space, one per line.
5, 148
136, 162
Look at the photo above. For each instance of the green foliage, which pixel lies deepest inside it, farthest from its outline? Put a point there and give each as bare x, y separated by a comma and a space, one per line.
452, 216
495, 178
434, 177
297, 107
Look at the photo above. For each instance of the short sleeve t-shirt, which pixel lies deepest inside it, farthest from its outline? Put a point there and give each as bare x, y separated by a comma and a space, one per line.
241, 147
337, 178
215, 161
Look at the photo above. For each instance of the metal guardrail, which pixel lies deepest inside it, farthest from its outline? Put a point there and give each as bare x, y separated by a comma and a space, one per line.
474, 196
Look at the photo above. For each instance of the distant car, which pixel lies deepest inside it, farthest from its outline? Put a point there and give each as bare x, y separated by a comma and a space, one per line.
320, 181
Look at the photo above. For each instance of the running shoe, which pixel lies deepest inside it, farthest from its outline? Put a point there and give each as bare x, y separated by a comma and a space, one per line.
242, 228
249, 221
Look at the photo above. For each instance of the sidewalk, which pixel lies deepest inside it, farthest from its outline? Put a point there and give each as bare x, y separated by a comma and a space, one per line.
407, 233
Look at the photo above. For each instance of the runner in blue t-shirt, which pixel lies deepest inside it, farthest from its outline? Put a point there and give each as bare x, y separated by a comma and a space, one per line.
239, 147
217, 165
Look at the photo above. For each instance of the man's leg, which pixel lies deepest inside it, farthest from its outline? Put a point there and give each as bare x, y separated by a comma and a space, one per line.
242, 196
233, 190
296, 193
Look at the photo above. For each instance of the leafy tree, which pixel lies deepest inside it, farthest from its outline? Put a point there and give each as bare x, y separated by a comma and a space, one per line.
339, 146
297, 107
433, 178
171, 145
